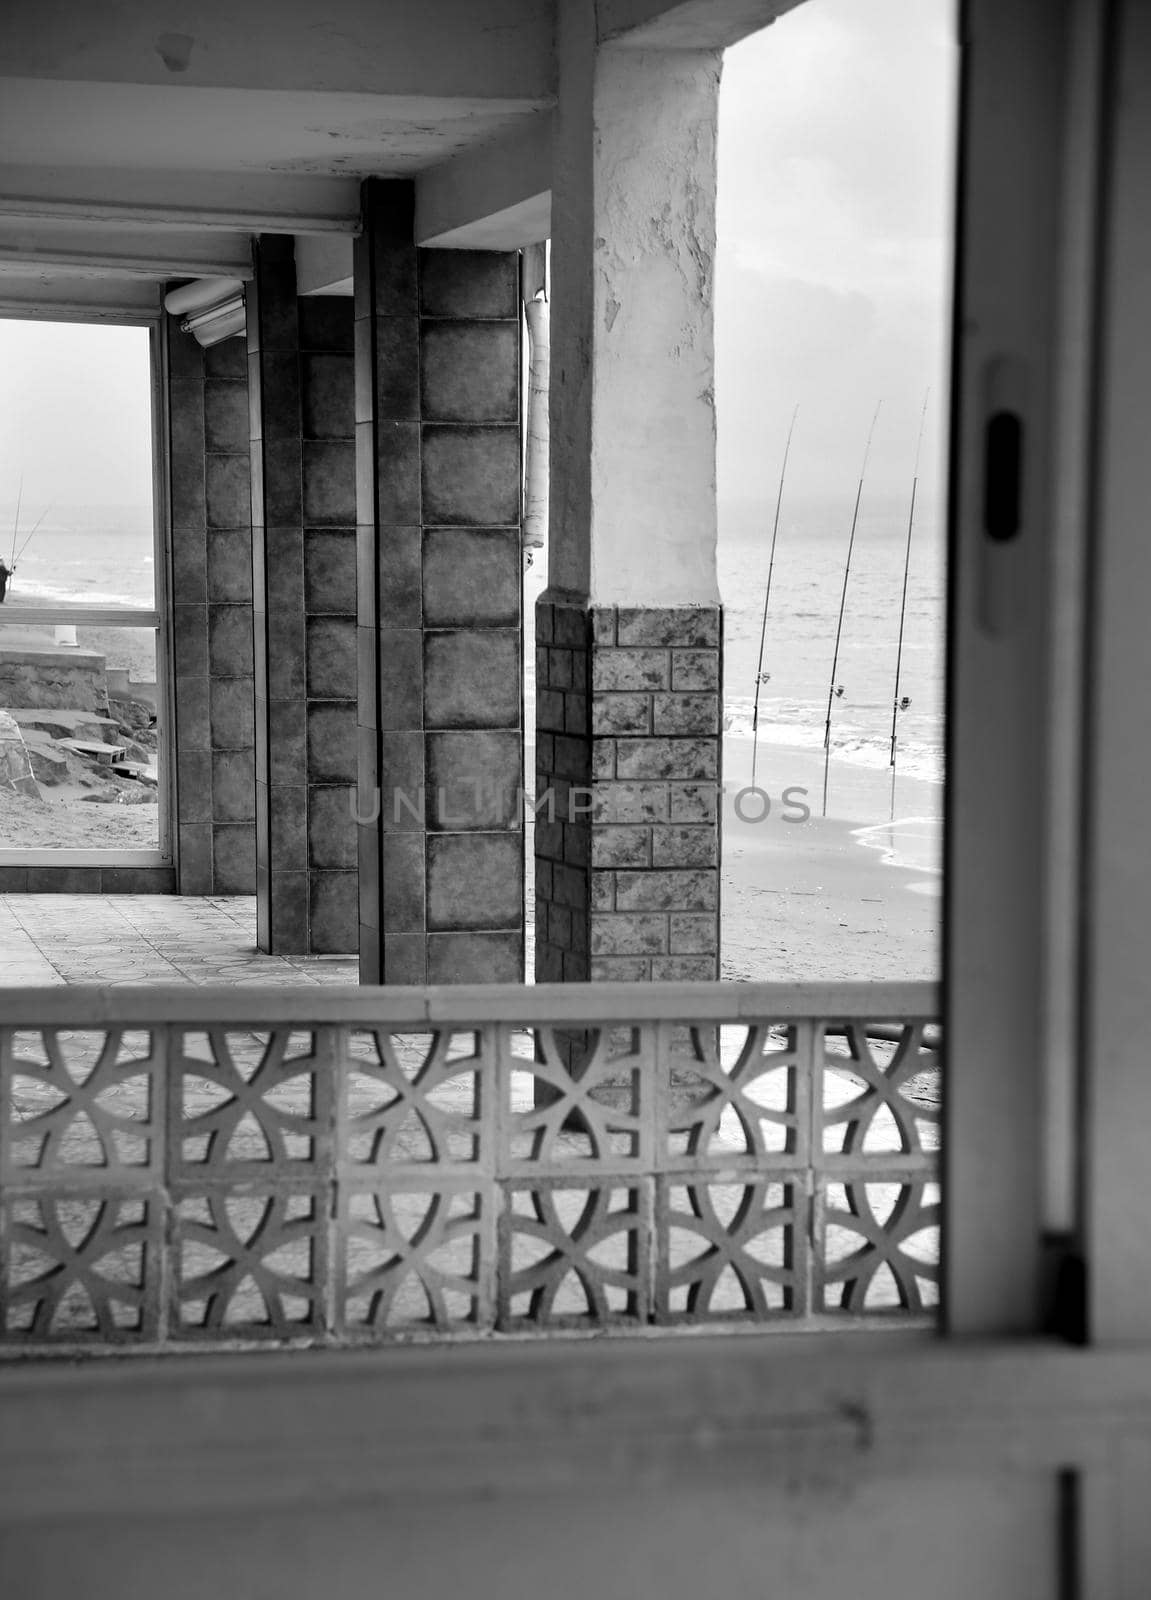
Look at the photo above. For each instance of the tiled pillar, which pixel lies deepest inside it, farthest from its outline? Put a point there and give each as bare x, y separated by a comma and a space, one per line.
629, 631
278, 600
303, 511
440, 719
211, 565
327, 395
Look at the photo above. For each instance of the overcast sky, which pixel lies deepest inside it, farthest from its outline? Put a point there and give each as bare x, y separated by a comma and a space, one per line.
835, 231
75, 410
833, 275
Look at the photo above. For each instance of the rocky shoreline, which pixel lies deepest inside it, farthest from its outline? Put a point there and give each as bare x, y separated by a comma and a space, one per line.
75, 740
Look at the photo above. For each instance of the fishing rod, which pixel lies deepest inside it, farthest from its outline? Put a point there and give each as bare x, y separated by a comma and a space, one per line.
16, 554
28, 540
766, 600
16, 524
842, 603
897, 707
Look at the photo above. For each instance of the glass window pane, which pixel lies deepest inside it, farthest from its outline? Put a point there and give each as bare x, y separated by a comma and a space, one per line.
80, 737
76, 505
835, 225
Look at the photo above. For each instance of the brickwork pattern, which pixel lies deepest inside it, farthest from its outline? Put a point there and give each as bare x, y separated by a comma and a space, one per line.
628, 746
440, 641
211, 565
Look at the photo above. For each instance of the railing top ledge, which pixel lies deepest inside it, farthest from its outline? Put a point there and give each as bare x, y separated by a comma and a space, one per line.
464, 1005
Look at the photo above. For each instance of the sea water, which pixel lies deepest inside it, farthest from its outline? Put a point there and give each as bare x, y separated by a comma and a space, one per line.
106, 558
101, 557
799, 644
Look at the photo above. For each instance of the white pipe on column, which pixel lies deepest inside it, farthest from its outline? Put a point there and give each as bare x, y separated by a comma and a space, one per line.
537, 444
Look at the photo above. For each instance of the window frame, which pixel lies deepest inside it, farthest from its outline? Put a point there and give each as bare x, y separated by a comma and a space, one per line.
158, 617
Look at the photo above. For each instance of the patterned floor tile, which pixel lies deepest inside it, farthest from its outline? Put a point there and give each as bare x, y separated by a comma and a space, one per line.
131, 939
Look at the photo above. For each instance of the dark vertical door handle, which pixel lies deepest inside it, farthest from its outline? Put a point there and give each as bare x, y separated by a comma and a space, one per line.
1002, 475
1001, 562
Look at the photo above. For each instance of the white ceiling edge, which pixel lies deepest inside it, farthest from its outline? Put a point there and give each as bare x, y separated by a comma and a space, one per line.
56, 298
250, 202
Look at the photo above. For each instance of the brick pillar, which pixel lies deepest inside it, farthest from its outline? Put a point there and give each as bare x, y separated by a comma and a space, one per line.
440, 718
211, 565
628, 712
629, 631
303, 473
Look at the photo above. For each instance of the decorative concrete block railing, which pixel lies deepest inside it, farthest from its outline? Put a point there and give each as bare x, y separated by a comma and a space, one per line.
185, 1168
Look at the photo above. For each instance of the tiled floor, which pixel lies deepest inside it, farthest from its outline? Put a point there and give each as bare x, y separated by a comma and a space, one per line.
126, 939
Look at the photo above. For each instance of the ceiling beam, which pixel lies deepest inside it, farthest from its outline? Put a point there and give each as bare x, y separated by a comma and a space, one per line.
54, 297
685, 24
136, 127
511, 229
324, 266
124, 252
448, 48
495, 197
229, 202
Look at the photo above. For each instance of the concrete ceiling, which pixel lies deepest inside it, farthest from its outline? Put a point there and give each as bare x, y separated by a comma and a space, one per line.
148, 140
141, 127
141, 142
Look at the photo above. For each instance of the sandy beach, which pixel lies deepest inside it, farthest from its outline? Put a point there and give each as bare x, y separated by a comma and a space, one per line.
62, 820
843, 897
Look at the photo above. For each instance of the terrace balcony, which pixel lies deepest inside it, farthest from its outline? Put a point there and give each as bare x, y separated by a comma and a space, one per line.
207, 1167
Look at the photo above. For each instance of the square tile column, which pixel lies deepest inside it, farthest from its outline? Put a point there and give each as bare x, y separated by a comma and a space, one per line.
629, 631
327, 396
303, 516
440, 712
211, 567
278, 600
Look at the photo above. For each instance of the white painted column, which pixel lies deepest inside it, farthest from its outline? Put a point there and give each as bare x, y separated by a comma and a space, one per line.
633, 516
628, 633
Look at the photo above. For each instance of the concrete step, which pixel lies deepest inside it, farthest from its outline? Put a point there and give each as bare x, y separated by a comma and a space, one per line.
105, 754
